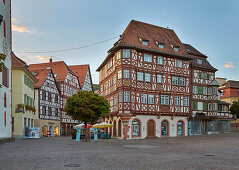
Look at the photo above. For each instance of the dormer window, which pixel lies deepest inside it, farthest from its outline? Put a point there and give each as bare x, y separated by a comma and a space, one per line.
144, 42
160, 45
48, 68
199, 61
175, 48
55, 75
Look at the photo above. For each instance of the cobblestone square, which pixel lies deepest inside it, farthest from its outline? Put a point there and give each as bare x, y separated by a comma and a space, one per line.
195, 152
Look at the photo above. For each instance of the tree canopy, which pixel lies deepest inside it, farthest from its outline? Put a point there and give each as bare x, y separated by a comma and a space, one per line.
86, 106
235, 108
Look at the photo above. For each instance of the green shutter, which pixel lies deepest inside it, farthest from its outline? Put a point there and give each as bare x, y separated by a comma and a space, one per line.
200, 75
208, 76
200, 90
195, 106
204, 106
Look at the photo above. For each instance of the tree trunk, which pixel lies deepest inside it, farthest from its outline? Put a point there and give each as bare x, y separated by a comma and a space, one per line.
86, 129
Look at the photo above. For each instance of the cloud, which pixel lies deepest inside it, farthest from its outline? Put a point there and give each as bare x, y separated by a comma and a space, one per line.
228, 65
19, 28
35, 59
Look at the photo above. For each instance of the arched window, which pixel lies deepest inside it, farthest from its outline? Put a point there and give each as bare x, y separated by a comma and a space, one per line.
5, 100
180, 128
5, 118
4, 2
136, 130
4, 28
164, 128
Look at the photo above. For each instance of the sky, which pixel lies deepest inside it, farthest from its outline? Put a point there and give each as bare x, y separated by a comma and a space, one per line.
38, 26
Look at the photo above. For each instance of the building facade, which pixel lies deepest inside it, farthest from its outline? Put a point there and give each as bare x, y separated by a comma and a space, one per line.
146, 78
68, 85
5, 75
84, 75
24, 112
48, 102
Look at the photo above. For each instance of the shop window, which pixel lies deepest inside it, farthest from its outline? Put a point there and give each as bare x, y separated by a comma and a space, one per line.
180, 128
136, 128
165, 126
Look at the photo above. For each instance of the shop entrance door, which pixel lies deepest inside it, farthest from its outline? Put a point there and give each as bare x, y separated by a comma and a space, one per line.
151, 128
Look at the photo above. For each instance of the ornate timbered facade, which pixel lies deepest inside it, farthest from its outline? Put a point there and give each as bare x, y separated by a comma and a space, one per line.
205, 95
68, 85
48, 102
146, 78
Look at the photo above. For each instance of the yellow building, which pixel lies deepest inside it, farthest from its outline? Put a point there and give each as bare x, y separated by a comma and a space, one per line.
23, 109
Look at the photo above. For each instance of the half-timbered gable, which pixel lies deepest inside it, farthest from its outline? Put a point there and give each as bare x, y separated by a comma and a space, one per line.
141, 78
84, 75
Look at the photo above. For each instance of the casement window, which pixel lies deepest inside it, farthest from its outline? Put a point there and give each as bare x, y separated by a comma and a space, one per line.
120, 96
28, 100
147, 77
181, 81
177, 100
200, 105
145, 42
205, 75
56, 98
160, 60
186, 101
176, 48
126, 53
179, 63
136, 128
140, 76
56, 112
165, 99
209, 91
160, 45
159, 78
147, 57
126, 74
44, 110
126, 96
144, 98
49, 111
199, 61
175, 80
5, 76
151, 99
209, 106
49, 97
215, 106
119, 74
205, 90
118, 55
195, 89
214, 91
110, 64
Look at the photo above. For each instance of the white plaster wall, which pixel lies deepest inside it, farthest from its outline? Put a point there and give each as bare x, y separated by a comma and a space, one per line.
5, 131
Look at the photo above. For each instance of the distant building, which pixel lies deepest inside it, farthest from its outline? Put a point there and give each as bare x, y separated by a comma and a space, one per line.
84, 75
24, 114
5, 75
68, 84
48, 102
221, 81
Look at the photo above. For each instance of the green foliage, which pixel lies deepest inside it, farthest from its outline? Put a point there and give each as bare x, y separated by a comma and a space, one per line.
86, 106
96, 87
235, 108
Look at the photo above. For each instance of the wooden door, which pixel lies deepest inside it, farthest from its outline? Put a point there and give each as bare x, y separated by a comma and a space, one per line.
151, 128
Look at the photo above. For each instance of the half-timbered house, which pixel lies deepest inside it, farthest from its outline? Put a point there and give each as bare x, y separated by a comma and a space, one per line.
146, 78
68, 85
205, 98
84, 75
48, 102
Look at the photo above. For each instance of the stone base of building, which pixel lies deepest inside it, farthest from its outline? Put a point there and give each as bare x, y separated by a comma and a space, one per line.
7, 140
48, 125
147, 126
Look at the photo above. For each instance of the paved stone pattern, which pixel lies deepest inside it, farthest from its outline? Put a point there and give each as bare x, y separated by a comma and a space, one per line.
194, 152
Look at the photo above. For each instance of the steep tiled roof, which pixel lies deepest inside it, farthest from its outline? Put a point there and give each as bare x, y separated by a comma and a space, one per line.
80, 71
231, 84
195, 54
60, 68
40, 76
138, 30
17, 61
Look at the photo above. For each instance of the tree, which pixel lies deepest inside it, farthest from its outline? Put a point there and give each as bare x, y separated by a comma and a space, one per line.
87, 107
235, 108
2, 59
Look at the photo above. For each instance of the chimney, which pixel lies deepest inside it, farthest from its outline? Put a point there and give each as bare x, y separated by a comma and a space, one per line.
50, 60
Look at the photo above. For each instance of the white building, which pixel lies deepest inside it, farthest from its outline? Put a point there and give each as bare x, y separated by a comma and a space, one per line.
5, 75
